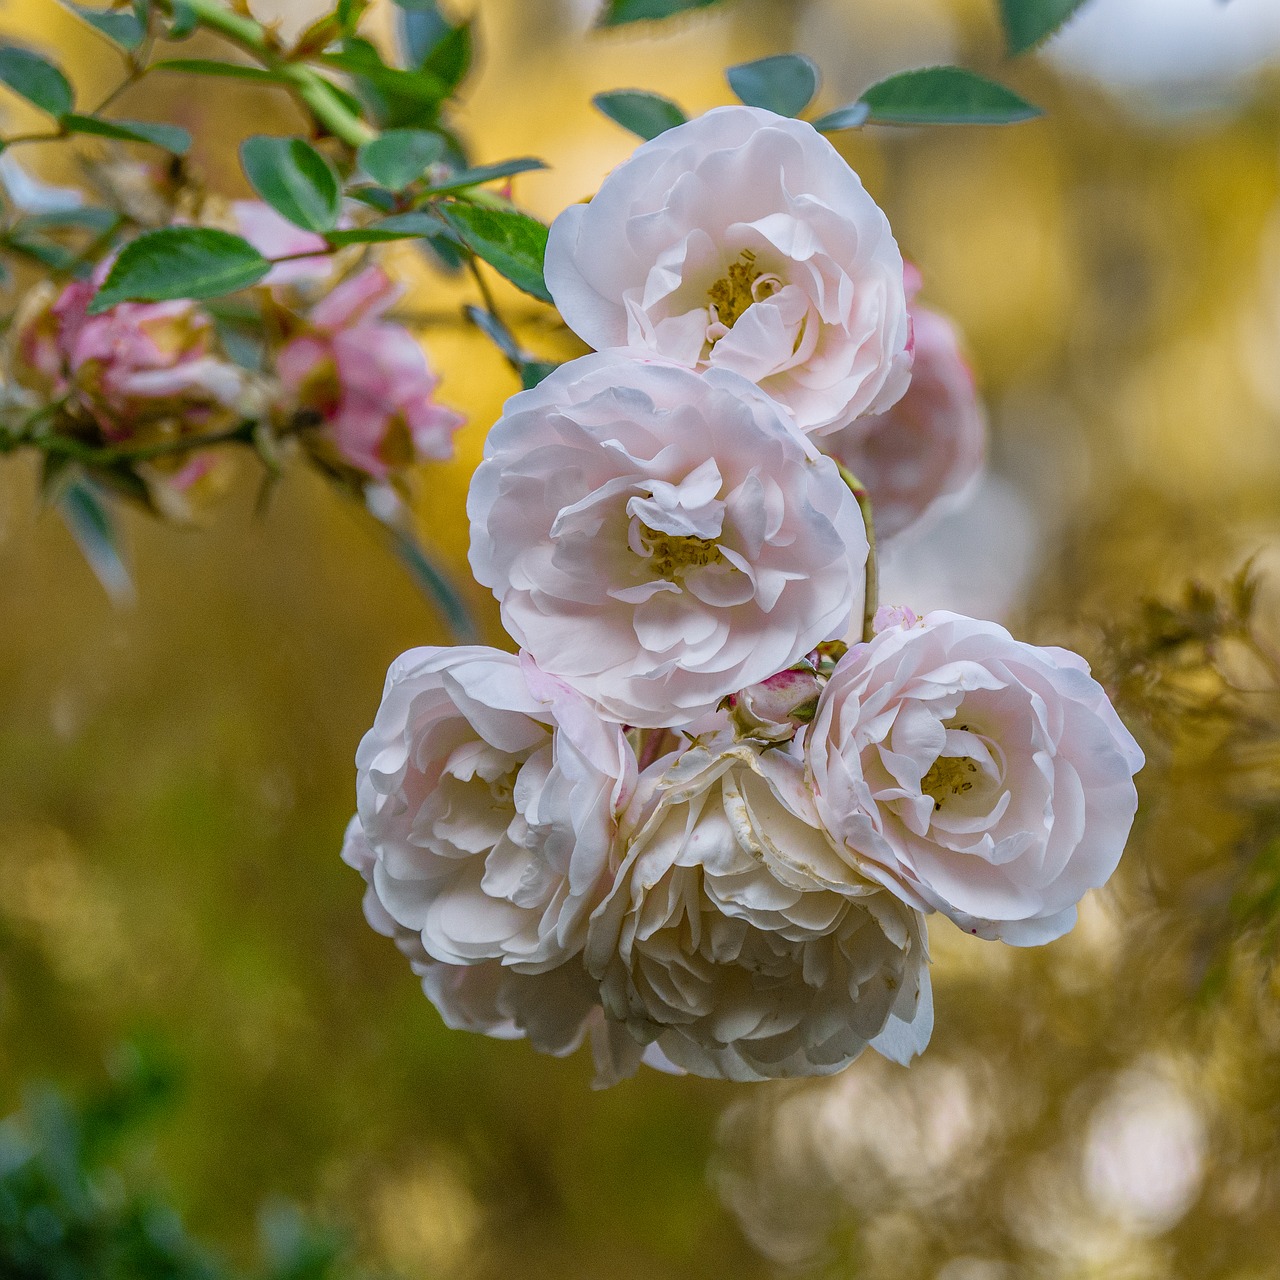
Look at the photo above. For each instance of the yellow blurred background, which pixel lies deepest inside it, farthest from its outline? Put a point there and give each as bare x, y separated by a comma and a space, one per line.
175, 776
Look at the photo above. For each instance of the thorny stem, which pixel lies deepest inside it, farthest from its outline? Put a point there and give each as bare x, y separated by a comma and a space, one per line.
872, 593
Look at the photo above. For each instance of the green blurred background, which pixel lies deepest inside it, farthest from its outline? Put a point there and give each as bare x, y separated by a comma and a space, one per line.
175, 776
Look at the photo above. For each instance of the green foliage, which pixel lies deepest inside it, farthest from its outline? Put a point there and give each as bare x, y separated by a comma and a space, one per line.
227, 70
485, 173
400, 156
90, 522
1027, 22
37, 80
169, 137
852, 116
784, 83
617, 13
511, 242
397, 98
180, 262
944, 95
644, 114
294, 179
123, 29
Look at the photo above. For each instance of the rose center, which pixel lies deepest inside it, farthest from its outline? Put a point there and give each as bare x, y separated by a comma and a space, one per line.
671, 555
503, 788
948, 776
741, 285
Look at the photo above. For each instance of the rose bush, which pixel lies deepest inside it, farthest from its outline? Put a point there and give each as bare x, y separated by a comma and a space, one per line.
973, 774
659, 539
735, 940
742, 241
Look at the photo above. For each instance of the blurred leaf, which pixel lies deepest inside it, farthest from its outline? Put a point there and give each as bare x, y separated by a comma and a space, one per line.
497, 332
122, 28
449, 59
400, 226
851, 116
294, 179
91, 524
400, 98
616, 13
422, 27
400, 156
945, 95
486, 173
349, 13
510, 242
46, 252
87, 218
1027, 22
166, 136
231, 70
644, 114
33, 78
784, 83
184, 21
180, 262
532, 372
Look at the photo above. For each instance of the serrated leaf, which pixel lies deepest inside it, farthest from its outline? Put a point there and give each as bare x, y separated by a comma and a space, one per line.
167, 136
403, 226
36, 79
945, 95
644, 114
512, 243
617, 13
294, 179
91, 525
486, 173
851, 116
122, 28
400, 156
1027, 22
180, 262
784, 83
229, 70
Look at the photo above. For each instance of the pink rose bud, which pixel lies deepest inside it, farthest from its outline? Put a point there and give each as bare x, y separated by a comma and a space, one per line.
366, 380
276, 237
773, 709
929, 446
889, 616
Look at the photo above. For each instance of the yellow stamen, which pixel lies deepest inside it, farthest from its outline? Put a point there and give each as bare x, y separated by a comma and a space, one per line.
671, 556
948, 776
732, 294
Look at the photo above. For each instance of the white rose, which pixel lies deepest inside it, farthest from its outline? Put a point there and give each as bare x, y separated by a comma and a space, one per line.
735, 940
489, 796
659, 539
742, 240
926, 450
975, 774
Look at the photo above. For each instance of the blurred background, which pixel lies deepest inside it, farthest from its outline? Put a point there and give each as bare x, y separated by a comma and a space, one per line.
175, 776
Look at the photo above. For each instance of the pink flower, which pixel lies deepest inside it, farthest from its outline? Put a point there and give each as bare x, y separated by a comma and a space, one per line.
276, 237
367, 380
136, 368
929, 446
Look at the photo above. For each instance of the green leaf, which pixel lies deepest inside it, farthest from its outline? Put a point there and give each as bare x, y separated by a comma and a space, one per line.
91, 218
167, 136
180, 262
617, 13
510, 242
31, 77
93, 528
644, 114
422, 27
532, 372
400, 156
46, 252
294, 179
449, 59
403, 226
184, 22
945, 95
851, 116
404, 98
122, 28
230, 70
1027, 22
486, 173
784, 83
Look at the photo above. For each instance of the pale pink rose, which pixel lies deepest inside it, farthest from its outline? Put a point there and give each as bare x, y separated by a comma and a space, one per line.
366, 380
742, 241
735, 940
772, 710
924, 452
659, 539
274, 236
974, 774
137, 368
490, 796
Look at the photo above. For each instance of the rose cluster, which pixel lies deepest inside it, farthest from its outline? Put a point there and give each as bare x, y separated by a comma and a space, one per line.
687, 820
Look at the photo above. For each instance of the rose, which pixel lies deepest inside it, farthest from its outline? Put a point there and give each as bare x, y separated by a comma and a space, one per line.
274, 236
140, 370
490, 796
735, 940
659, 539
367, 381
975, 774
741, 240
929, 446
